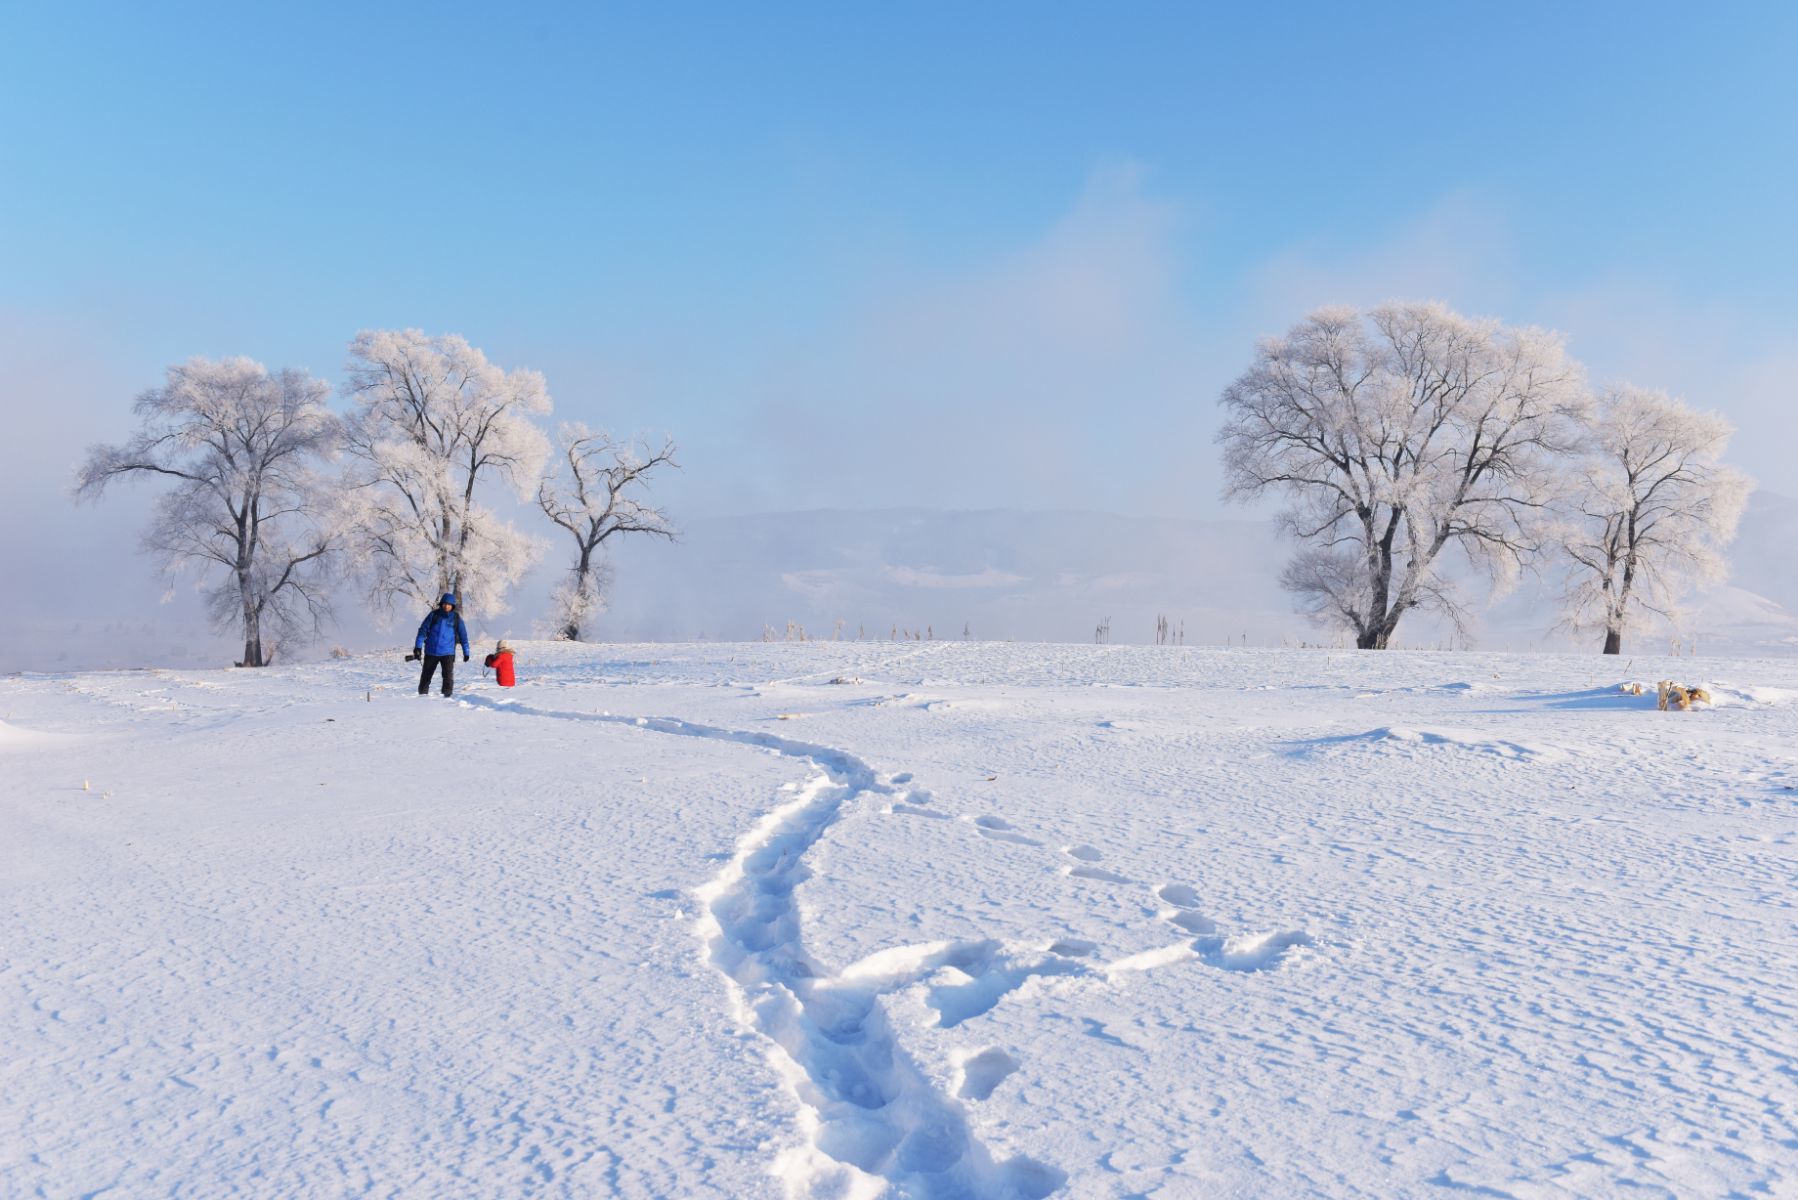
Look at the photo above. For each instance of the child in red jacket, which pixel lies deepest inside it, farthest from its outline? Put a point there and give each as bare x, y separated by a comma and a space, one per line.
501, 662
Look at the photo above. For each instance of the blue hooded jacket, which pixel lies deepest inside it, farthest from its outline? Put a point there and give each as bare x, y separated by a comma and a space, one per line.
441, 631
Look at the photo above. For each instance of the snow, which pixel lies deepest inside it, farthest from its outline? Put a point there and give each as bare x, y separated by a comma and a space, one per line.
938, 920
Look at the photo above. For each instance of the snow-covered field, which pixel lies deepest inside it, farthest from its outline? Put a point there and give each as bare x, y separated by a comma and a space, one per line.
935, 920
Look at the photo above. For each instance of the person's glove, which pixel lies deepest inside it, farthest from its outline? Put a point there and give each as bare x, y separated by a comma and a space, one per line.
412, 657
464, 656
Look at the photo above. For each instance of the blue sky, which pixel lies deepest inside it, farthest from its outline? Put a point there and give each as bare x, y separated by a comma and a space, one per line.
679, 145
963, 255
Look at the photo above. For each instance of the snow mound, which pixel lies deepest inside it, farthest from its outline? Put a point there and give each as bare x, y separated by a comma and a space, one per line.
12, 737
1413, 740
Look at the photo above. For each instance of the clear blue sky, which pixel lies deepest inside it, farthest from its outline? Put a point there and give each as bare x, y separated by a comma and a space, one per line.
854, 255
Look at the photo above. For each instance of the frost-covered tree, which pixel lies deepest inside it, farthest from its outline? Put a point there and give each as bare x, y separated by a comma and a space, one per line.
1650, 509
434, 424
241, 448
593, 491
1395, 437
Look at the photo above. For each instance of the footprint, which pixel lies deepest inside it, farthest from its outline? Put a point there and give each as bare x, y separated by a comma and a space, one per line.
1096, 1029
1256, 952
1096, 873
1193, 922
984, 1072
1017, 839
912, 810
1074, 948
1186, 901
902, 777
970, 986
1083, 853
1001, 830
1179, 895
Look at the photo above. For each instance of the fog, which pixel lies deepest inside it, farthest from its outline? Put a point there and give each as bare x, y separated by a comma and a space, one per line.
1076, 371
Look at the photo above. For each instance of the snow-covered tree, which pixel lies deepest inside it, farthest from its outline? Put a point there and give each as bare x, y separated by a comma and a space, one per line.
1650, 509
241, 448
592, 490
434, 423
1395, 437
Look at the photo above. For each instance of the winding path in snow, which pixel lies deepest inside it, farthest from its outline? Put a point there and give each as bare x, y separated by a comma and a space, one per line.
873, 1122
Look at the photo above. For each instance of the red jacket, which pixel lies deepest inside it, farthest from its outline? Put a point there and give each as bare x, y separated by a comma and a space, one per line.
502, 667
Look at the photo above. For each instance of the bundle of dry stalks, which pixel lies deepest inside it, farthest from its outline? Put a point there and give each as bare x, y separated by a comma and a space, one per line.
1673, 695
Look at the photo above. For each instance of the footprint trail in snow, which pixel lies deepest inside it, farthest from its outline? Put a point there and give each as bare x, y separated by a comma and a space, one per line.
871, 1118
1244, 952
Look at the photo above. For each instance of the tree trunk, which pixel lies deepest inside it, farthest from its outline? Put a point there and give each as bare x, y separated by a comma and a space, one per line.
252, 639
252, 622
1379, 565
1613, 641
582, 569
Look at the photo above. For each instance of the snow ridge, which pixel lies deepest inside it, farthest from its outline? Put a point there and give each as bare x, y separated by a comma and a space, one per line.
874, 1124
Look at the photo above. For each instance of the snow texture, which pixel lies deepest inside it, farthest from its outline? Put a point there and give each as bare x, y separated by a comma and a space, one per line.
940, 920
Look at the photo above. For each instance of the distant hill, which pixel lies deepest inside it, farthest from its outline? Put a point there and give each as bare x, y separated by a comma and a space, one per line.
1757, 613
1054, 576
1764, 557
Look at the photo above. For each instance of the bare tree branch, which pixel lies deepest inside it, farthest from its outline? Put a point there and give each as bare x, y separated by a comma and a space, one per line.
592, 493
435, 425
1394, 437
1648, 511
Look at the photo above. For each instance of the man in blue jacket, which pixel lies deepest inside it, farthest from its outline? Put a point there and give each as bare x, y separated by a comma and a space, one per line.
438, 637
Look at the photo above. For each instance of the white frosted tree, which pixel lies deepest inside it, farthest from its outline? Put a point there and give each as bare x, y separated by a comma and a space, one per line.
435, 425
1650, 509
1397, 437
593, 491
240, 447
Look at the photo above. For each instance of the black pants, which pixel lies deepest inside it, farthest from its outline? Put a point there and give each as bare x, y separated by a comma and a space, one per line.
432, 662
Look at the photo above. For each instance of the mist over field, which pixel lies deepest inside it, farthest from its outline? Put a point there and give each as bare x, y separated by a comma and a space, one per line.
998, 575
